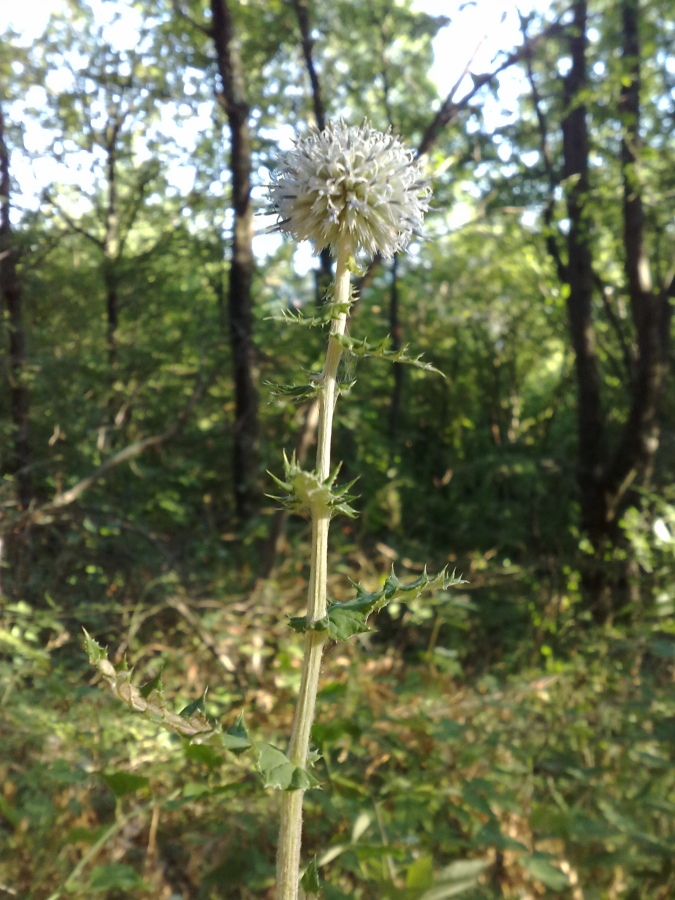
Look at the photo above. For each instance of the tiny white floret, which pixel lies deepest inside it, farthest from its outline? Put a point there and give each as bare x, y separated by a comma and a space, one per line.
355, 188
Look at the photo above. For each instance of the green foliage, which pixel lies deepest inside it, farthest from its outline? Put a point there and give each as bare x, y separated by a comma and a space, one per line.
122, 783
115, 875
650, 529
481, 744
433, 781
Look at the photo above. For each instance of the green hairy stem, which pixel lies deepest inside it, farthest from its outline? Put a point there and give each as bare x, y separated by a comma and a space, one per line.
290, 832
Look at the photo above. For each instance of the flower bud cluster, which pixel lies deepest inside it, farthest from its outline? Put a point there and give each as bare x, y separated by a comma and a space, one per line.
354, 188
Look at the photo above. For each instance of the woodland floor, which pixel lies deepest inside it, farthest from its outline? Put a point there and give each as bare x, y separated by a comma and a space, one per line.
462, 752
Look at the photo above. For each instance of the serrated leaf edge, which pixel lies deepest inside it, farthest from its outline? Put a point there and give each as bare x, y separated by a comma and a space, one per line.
196, 727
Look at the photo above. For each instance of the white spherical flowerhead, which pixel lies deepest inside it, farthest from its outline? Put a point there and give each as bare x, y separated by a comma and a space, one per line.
354, 188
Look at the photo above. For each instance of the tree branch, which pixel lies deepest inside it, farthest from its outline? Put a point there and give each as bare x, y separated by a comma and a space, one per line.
553, 179
71, 223
129, 452
195, 24
307, 44
450, 109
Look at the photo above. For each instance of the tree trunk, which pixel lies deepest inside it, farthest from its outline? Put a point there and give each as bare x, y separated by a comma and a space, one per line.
21, 458
232, 98
112, 313
634, 458
605, 478
592, 450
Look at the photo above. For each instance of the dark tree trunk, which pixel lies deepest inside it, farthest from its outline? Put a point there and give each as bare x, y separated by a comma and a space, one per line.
634, 458
111, 256
605, 478
111, 240
112, 312
232, 98
592, 452
20, 464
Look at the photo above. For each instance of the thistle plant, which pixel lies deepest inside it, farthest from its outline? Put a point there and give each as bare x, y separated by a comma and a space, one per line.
362, 193
353, 189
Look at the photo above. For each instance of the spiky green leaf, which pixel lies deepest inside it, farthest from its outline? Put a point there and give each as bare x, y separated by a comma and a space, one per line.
345, 623
299, 392
330, 310
278, 771
304, 491
382, 351
273, 765
95, 651
236, 737
350, 618
299, 624
155, 684
193, 707
310, 880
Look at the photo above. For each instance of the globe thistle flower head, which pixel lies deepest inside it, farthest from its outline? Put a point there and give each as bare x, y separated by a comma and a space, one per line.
354, 188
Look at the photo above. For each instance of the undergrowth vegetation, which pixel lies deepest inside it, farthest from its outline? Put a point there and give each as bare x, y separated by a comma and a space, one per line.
513, 737
547, 772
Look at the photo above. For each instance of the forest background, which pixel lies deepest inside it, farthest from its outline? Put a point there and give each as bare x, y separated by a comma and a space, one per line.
513, 738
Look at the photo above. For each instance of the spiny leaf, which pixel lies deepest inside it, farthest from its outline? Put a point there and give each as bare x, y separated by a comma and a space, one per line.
345, 623
298, 392
153, 704
274, 766
122, 667
295, 317
239, 729
193, 707
382, 351
236, 737
299, 624
305, 491
330, 310
279, 772
95, 651
347, 619
155, 684
310, 880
